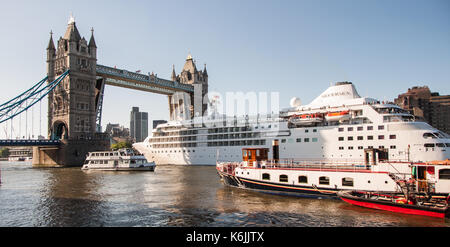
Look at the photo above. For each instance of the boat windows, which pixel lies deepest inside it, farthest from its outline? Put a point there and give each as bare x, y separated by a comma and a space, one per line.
265, 176
429, 135
447, 144
393, 147
341, 148
350, 138
350, 148
347, 182
392, 137
283, 140
369, 127
350, 129
381, 137
444, 174
324, 180
441, 145
302, 179
306, 131
429, 145
284, 178
380, 127
314, 130
314, 139
299, 139
341, 138
360, 138
360, 147
360, 128
341, 129
369, 137
306, 140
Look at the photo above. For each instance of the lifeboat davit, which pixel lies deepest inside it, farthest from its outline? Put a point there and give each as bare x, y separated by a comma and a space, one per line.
306, 119
338, 116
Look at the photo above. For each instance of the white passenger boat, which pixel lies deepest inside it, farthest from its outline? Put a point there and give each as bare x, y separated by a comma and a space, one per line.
119, 160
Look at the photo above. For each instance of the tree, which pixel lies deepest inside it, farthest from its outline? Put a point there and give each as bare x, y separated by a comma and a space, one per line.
120, 145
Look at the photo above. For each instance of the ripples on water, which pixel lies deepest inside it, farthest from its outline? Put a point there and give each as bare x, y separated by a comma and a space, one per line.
170, 196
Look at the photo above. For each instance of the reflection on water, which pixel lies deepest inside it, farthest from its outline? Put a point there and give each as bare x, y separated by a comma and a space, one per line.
170, 196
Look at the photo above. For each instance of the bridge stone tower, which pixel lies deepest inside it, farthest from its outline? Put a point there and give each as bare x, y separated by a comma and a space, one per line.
199, 79
72, 105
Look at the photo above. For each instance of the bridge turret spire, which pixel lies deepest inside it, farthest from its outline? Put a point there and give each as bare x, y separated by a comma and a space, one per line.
92, 40
72, 33
174, 75
51, 45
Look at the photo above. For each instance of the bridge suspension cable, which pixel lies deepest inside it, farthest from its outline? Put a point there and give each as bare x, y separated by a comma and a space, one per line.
27, 99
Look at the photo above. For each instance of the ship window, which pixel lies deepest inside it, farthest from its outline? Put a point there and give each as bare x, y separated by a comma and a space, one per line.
306, 139
428, 135
266, 176
341, 129
350, 138
284, 178
369, 127
380, 127
341, 148
360, 128
314, 130
350, 148
314, 139
324, 180
306, 131
429, 145
350, 128
392, 137
299, 139
444, 174
360, 138
360, 147
283, 140
341, 138
303, 179
393, 147
369, 137
347, 182
381, 137
441, 145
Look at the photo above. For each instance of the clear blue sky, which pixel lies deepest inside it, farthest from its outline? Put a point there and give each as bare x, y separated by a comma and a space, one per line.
296, 48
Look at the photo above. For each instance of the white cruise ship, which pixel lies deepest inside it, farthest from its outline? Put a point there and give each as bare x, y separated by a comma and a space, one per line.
337, 125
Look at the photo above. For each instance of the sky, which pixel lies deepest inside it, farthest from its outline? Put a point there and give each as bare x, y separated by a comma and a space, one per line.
296, 48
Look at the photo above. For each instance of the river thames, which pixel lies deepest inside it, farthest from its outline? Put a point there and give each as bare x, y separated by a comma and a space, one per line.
187, 196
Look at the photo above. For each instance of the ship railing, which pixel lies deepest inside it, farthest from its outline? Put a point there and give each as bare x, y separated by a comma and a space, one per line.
338, 165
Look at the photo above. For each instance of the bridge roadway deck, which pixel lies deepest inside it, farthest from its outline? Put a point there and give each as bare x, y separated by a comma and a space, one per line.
132, 80
44, 142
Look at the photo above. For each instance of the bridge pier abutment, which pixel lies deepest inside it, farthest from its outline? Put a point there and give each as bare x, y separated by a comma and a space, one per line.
70, 153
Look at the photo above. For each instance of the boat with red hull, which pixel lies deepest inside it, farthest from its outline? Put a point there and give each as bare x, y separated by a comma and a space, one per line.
412, 204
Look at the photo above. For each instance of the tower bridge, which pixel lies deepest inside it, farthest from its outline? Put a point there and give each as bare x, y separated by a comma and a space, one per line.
75, 89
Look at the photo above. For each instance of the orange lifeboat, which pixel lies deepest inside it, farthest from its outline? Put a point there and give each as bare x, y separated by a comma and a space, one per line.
338, 116
306, 119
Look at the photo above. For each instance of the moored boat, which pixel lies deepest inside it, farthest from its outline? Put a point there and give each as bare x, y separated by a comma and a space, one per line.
397, 203
321, 178
118, 160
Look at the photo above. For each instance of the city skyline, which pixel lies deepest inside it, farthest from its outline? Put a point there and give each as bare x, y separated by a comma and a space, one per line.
296, 48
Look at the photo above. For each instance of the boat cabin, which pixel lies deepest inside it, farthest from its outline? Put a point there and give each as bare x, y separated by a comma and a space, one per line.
253, 155
433, 176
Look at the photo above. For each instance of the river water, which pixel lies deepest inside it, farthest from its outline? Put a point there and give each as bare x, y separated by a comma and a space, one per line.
170, 196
